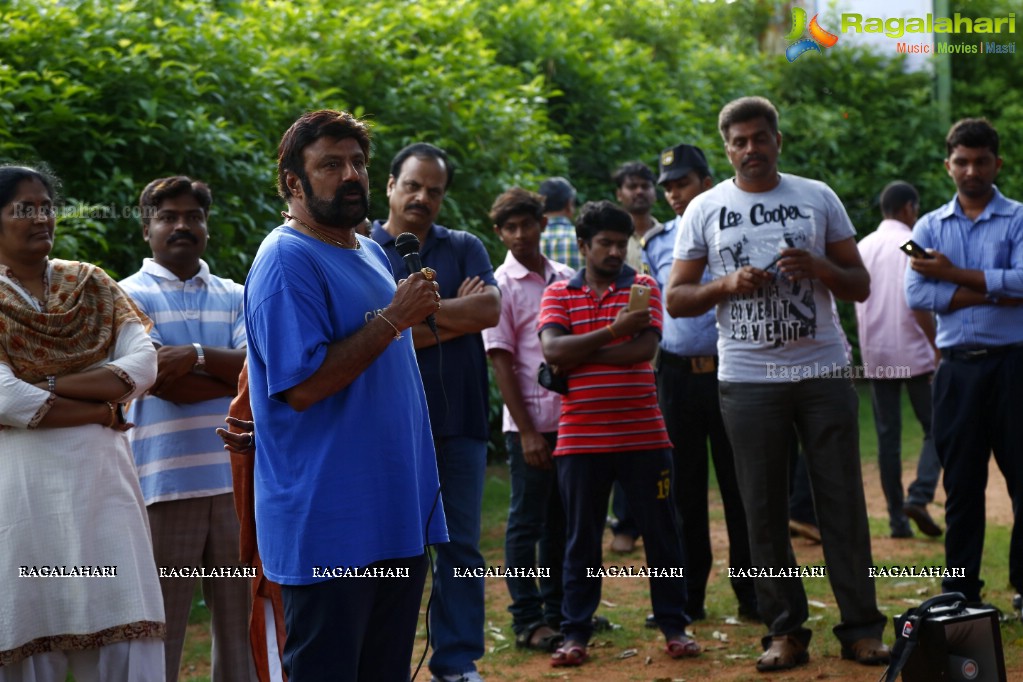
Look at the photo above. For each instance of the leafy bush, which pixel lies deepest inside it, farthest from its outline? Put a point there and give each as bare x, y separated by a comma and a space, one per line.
113, 95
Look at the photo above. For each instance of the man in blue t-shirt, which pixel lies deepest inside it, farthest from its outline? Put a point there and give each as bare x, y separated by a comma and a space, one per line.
454, 371
346, 487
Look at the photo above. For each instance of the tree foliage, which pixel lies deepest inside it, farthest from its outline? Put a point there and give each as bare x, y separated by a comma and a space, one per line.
112, 95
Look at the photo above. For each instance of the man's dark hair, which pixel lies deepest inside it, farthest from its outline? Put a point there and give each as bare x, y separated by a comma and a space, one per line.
746, 109
423, 150
974, 133
516, 201
168, 188
13, 175
897, 194
636, 168
557, 193
598, 216
310, 127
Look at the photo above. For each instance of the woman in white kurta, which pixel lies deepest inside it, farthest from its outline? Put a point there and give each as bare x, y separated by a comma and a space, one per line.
78, 583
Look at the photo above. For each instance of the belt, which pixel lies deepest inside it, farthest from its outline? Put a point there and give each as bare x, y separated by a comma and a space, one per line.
698, 364
960, 354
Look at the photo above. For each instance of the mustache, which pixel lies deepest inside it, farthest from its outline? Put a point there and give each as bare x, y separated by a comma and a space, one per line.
179, 236
347, 187
417, 205
754, 157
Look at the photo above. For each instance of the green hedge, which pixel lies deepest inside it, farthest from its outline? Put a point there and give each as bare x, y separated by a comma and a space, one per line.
112, 95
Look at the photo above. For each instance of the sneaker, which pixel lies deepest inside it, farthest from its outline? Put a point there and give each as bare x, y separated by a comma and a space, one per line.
922, 518
470, 676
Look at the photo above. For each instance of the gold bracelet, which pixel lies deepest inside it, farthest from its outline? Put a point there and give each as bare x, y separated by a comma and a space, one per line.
397, 334
611, 329
113, 414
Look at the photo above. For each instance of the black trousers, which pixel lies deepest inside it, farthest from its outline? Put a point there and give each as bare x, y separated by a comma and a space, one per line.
354, 629
977, 411
692, 416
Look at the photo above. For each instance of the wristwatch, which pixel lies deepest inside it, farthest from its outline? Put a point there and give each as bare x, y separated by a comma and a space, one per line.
200, 358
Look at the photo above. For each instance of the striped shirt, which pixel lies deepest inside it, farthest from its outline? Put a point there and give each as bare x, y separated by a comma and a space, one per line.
992, 243
177, 452
609, 408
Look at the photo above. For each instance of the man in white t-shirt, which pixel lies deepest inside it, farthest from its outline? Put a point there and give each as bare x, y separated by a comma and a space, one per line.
778, 247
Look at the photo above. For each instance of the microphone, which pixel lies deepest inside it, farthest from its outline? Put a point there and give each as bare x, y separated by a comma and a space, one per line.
407, 245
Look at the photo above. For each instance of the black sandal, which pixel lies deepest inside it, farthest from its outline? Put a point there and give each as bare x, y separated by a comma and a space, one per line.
548, 643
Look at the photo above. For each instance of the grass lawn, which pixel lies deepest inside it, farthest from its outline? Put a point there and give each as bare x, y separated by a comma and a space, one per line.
730, 647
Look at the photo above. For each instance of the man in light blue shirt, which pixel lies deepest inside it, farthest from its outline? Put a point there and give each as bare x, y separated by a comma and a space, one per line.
184, 472
687, 389
972, 278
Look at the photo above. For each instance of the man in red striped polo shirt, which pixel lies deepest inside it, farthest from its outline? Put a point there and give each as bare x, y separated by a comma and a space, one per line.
611, 429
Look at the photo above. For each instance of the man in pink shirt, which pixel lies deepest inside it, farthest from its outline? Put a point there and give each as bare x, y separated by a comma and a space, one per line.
897, 345
536, 517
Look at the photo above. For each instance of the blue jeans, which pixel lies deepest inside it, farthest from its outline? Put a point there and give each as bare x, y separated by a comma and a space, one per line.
885, 396
535, 537
759, 419
457, 614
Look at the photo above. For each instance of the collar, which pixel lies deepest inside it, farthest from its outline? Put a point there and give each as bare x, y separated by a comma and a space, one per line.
153, 268
892, 225
384, 238
998, 205
516, 270
658, 229
625, 278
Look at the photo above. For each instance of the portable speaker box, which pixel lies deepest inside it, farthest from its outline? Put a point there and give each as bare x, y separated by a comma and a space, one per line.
962, 646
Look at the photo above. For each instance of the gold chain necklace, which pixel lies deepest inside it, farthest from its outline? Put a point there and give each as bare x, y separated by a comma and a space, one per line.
323, 237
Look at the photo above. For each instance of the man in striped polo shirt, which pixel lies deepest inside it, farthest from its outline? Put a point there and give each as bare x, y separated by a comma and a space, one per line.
185, 474
611, 429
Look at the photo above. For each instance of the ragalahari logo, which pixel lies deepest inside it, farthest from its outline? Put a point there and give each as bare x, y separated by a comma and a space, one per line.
818, 36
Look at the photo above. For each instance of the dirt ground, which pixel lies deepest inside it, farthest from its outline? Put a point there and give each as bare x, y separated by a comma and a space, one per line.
730, 649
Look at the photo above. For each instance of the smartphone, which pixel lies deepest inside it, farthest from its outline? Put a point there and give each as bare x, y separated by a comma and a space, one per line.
639, 297
914, 250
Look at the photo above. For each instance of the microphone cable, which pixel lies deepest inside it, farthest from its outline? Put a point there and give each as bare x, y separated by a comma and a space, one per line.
433, 508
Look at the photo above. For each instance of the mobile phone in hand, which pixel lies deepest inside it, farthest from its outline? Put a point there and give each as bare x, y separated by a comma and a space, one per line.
914, 250
639, 298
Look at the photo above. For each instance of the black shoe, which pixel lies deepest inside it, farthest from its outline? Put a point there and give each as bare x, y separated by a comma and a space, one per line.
650, 622
902, 533
1017, 605
922, 518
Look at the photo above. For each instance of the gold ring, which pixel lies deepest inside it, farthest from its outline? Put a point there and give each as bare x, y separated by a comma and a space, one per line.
428, 273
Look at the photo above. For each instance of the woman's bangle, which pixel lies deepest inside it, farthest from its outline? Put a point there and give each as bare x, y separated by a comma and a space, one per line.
51, 383
113, 414
397, 333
